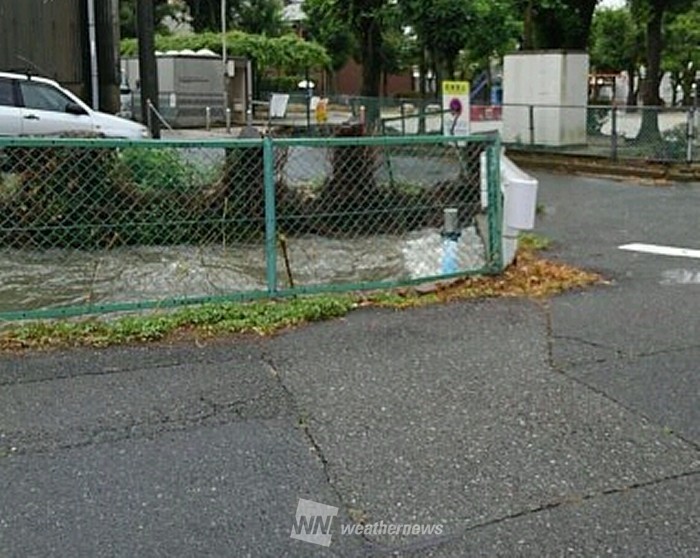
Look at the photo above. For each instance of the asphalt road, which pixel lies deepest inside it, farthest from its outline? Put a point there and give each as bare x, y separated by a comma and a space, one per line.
523, 428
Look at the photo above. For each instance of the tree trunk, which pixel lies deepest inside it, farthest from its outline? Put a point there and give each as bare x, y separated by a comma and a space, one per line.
423, 91
371, 46
528, 28
631, 89
687, 79
649, 130
450, 68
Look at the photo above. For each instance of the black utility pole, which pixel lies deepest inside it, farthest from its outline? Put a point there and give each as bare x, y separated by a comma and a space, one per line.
148, 67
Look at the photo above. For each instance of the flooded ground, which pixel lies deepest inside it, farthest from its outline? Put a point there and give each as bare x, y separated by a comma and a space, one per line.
32, 280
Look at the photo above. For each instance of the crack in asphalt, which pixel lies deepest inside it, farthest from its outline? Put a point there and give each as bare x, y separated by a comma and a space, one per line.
302, 422
436, 542
212, 414
589, 343
564, 371
109, 371
668, 351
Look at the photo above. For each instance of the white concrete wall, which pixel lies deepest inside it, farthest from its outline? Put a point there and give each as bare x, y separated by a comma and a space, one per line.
555, 84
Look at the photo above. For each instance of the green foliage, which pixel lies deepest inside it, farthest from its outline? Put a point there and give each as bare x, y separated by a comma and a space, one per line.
556, 24
681, 55
596, 117
651, 14
55, 195
127, 16
615, 41
280, 84
324, 25
495, 30
259, 17
288, 53
533, 241
442, 27
673, 145
367, 19
251, 16
211, 319
157, 169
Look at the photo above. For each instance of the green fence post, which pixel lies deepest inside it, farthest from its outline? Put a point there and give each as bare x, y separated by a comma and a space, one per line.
613, 134
495, 214
270, 216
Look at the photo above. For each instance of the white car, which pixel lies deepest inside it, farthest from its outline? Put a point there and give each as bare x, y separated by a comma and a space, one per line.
36, 106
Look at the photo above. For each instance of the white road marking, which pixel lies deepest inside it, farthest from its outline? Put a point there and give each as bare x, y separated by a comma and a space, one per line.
661, 250
680, 277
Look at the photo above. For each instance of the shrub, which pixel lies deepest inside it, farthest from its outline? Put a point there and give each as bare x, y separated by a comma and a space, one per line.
153, 169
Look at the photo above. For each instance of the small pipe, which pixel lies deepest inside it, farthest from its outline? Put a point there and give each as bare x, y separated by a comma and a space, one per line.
450, 238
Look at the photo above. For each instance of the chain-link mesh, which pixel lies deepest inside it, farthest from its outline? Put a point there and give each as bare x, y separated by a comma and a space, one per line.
92, 223
654, 134
375, 212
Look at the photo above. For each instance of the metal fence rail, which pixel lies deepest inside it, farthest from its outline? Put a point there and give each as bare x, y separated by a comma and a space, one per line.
89, 226
666, 134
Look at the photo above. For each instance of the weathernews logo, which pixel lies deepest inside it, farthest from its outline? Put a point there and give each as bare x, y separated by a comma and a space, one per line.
314, 523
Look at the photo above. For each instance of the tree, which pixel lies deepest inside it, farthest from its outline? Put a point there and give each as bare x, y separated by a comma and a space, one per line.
127, 16
260, 17
205, 14
442, 29
681, 56
365, 18
556, 24
324, 25
652, 13
397, 53
616, 44
494, 32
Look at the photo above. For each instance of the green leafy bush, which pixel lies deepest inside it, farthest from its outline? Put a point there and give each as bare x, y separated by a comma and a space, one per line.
153, 169
288, 53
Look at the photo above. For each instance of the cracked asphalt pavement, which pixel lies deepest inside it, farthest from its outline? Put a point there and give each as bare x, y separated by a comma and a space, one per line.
566, 427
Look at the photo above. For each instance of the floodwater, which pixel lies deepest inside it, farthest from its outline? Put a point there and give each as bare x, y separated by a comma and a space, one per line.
31, 280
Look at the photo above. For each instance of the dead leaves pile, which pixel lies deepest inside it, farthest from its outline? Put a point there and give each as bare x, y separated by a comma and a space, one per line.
531, 275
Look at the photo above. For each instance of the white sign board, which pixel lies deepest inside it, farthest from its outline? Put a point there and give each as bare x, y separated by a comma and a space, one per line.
455, 103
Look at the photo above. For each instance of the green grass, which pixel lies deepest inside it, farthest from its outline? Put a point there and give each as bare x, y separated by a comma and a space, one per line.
534, 241
206, 320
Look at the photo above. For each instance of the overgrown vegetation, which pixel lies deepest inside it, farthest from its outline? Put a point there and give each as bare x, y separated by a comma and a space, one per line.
93, 198
530, 276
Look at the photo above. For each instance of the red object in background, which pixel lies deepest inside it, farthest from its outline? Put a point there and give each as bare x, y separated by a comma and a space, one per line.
486, 112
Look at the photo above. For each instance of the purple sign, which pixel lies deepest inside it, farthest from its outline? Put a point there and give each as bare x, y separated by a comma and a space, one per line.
456, 107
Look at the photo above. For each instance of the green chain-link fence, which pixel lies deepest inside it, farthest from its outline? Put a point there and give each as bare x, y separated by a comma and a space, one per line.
96, 225
654, 134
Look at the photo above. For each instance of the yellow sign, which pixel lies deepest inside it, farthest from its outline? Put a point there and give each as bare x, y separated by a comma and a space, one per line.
322, 111
457, 88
